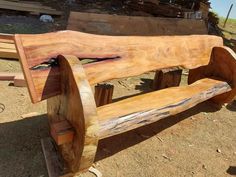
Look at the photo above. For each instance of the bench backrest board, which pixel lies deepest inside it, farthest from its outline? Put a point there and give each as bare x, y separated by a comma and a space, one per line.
125, 56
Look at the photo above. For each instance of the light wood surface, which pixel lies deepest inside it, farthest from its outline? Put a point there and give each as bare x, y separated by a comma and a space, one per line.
62, 132
222, 66
7, 47
6, 76
125, 115
132, 56
77, 105
52, 157
103, 94
19, 81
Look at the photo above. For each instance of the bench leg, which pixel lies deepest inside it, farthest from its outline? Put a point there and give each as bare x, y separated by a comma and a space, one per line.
73, 117
167, 78
103, 94
222, 67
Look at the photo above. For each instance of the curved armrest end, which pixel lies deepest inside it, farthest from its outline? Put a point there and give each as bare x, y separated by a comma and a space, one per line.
222, 66
76, 104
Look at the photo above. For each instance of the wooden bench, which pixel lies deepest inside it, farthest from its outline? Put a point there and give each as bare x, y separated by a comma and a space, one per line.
54, 72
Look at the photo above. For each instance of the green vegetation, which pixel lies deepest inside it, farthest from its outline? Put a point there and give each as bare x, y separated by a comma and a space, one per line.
230, 28
229, 31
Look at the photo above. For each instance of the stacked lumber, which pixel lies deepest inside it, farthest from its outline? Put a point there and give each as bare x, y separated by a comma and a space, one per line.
34, 8
204, 8
103, 94
164, 10
176, 9
7, 47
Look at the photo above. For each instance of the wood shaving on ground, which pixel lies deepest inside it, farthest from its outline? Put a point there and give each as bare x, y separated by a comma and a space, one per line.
2, 107
95, 172
31, 114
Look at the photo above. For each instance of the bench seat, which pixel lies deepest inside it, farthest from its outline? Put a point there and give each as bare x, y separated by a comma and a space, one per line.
147, 108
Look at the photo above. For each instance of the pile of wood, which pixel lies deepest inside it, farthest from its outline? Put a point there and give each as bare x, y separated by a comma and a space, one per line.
8, 51
179, 9
7, 47
165, 10
34, 8
118, 25
204, 8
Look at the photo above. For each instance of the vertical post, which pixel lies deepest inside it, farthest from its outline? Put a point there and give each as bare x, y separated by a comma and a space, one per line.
167, 78
228, 14
103, 94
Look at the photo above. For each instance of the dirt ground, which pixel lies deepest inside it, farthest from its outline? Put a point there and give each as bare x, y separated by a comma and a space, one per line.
200, 142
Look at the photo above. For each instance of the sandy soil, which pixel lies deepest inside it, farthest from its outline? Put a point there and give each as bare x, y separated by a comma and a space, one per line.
198, 142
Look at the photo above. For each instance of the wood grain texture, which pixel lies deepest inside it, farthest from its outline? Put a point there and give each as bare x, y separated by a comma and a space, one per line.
7, 47
103, 94
132, 56
105, 24
124, 115
222, 66
76, 103
9, 37
167, 78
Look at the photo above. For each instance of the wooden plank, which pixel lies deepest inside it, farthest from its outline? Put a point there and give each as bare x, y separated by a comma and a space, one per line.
105, 24
76, 103
9, 41
18, 78
25, 4
6, 76
4, 45
52, 157
8, 53
7, 47
62, 132
19, 81
7, 36
28, 8
125, 115
125, 56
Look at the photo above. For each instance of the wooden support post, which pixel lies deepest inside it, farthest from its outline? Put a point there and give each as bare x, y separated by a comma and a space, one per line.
6, 76
167, 78
54, 161
62, 132
19, 81
103, 94
228, 14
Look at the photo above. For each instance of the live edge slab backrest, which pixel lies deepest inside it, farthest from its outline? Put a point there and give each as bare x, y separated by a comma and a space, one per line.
124, 56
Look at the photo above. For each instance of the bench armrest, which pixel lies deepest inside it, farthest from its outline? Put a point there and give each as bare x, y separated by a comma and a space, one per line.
222, 66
